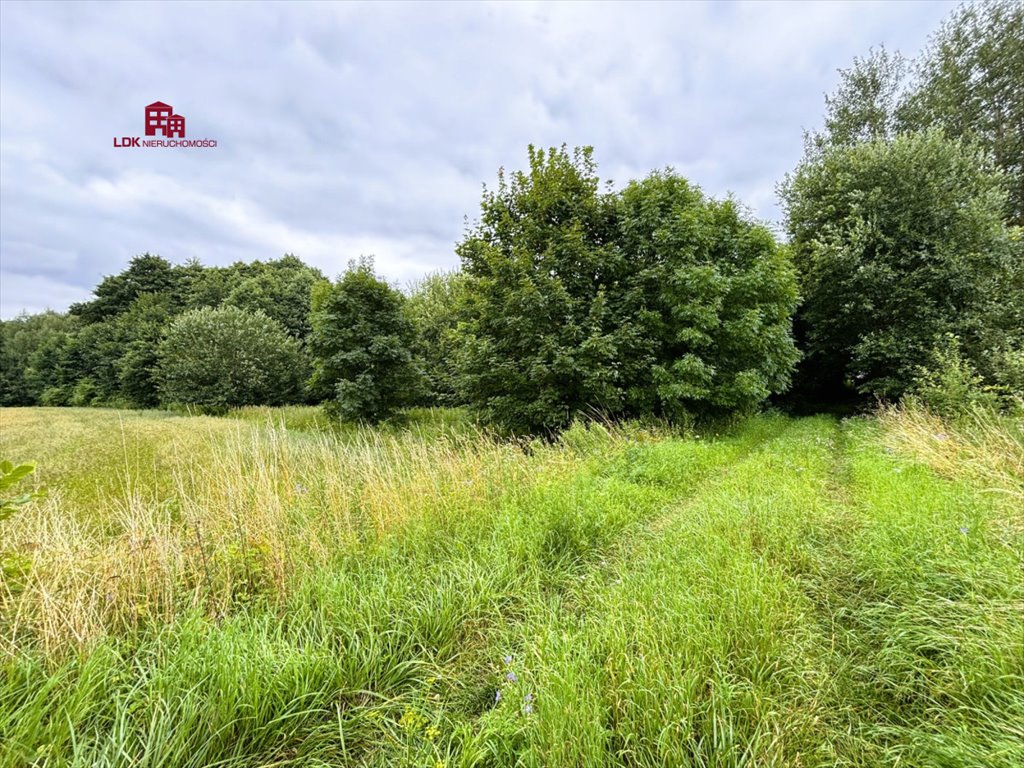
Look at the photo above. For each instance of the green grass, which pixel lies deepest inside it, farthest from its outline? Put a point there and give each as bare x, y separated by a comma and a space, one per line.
266, 589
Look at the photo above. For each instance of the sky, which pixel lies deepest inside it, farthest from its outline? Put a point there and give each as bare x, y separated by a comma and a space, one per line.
369, 129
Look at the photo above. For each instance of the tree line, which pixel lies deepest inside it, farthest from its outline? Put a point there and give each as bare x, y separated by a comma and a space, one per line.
903, 273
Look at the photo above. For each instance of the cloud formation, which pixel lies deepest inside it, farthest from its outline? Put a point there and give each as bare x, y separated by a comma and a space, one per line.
350, 129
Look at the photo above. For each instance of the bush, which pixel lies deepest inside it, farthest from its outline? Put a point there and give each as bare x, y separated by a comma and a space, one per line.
951, 386
84, 393
228, 357
361, 342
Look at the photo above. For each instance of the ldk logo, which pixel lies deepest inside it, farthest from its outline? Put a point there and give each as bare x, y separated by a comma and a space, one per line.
161, 120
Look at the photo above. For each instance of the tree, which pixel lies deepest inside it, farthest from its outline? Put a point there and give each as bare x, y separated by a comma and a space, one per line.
115, 293
228, 357
280, 289
971, 84
140, 331
31, 347
711, 297
434, 307
866, 103
898, 243
653, 301
361, 343
967, 82
540, 343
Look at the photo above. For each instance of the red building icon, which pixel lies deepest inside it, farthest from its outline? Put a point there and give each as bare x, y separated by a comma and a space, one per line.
160, 118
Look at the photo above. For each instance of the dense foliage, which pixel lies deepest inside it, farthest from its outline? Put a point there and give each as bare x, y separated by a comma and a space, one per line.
228, 357
968, 82
710, 296
31, 347
434, 306
910, 277
899, 243
361, 343
576, 298
104, 351
652, 301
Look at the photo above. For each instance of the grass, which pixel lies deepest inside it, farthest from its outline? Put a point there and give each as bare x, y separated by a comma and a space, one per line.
266, 589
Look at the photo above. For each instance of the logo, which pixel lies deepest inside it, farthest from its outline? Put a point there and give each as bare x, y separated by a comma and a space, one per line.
161, 121
160, 117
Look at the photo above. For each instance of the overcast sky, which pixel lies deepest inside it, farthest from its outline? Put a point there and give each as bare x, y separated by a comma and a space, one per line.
347, 129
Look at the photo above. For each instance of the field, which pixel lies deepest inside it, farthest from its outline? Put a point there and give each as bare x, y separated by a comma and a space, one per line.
262, 589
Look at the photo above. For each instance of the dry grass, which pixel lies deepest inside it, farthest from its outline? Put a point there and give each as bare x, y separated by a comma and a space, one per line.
190, 512
983, 447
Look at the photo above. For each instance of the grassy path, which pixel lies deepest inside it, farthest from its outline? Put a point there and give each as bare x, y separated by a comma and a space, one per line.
820, 603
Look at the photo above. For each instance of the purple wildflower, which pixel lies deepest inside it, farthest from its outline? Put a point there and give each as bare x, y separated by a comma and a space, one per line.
963, 529
507, 659
497, 695
511, 677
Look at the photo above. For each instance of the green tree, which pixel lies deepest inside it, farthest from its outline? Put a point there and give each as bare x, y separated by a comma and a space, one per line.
281, 289
540, 343
140, 331
898, 243
31, 348
361, 343
434, 307
228, 357
115, 293
970, 82
867, 101
710, 297
653, 301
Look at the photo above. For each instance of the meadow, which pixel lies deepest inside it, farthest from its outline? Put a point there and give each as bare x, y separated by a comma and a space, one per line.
265, 589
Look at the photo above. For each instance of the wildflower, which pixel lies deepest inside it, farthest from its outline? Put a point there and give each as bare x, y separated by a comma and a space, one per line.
511, 677
433, 732
497, 696
507, 659
528, 703
963, 529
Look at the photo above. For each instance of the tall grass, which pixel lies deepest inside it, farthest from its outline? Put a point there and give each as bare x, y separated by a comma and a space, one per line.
239, 592
981, 445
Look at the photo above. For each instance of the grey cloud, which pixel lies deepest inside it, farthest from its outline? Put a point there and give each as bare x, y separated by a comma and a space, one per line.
347, 129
